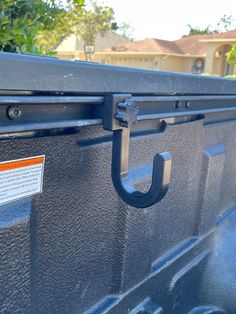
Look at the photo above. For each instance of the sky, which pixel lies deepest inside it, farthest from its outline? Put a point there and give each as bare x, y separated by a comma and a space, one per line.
168, 20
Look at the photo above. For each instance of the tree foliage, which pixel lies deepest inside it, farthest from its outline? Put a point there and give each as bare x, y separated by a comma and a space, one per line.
62, 25
25, 23
21, 21
226, 23
197, 30
126, 30
231, 57
91, 20
38, 26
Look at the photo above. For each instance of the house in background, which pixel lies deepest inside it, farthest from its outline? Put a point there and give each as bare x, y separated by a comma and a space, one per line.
72, 48
193, 54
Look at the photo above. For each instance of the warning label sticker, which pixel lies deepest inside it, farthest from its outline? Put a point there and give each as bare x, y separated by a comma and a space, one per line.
21, 178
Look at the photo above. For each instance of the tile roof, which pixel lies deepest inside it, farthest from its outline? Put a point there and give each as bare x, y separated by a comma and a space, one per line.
185, 45
229, 34
149, 45
192, 44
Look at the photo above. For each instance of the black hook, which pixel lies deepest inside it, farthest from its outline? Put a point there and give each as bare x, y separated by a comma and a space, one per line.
122, 183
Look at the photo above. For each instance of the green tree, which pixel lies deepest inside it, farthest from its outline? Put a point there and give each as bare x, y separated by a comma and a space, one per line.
197, 30
62, 25
126, 30
231, 57
25, 23
39, 26
91, 20
226, 23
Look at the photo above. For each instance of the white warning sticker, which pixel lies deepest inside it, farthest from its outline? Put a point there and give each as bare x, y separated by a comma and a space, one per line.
21, 178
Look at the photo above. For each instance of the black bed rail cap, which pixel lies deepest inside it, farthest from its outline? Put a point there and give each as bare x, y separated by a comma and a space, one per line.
47, 74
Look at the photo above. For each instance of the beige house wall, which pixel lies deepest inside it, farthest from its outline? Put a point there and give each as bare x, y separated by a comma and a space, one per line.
215, 64
143, 61
70, 55
146, 61
133, 61
74, 44
216, 67
211, 49
176, 64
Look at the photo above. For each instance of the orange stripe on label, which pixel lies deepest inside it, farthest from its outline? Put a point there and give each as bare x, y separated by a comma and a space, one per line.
21, 163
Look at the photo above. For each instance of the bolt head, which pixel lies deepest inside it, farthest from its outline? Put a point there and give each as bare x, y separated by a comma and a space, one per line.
14, 113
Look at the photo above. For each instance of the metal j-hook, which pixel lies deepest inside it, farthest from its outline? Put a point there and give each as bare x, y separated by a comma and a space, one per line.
124, 186
119, 113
